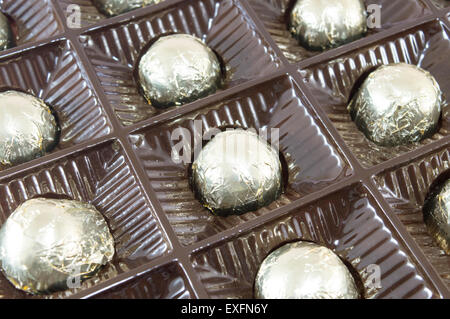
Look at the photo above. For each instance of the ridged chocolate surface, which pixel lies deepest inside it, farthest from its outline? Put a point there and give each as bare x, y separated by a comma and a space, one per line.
35, 20
166, 282
340, 191
405, 189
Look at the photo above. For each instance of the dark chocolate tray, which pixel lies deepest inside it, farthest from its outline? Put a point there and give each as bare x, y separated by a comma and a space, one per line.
360, 200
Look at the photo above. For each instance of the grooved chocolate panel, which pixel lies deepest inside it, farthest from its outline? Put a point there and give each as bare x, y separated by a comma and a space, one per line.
275, 16
53, 73
333, 82
34, 20
405, 189
101, 176
313, 162
166, 282
224, 26
348, 222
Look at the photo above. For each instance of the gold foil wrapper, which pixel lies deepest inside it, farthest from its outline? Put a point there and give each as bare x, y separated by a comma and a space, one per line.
28, 129
6, 35
304, 270
237, 172
112, 8
323, 24
436, 213
47, 244
178, 69
398, 104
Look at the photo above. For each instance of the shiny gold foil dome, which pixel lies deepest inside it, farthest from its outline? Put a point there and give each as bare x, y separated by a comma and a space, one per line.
112, 8
397, 104
323, 24
28, 128
436, 213
47, 244
178, 69
237, 172
6, 35
304, 270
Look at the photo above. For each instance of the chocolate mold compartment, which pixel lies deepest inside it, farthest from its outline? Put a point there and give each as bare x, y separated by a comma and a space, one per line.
275, 16
312, 161
333, 82
349, 222
53, 73
33, 21
224, 25
103, 177
166, 282
405, 189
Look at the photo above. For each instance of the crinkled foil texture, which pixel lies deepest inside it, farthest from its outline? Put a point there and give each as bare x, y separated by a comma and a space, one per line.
46, 244
398, 104
6, 35
436, 212
323, 24
237, 172
28, 129
304, 270
178, 69
115, 7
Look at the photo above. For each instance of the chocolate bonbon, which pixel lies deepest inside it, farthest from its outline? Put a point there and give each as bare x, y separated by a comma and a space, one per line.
178, 69
237, 171
323, 24
304, 270
28, 128
48, 245
397, 104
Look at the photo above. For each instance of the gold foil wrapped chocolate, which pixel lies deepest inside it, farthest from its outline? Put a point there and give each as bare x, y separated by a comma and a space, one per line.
28, 128
48, 245
112, 8
178, 69
436, 213
6, 35
397, 104
237, 172
323, 24
304, 270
